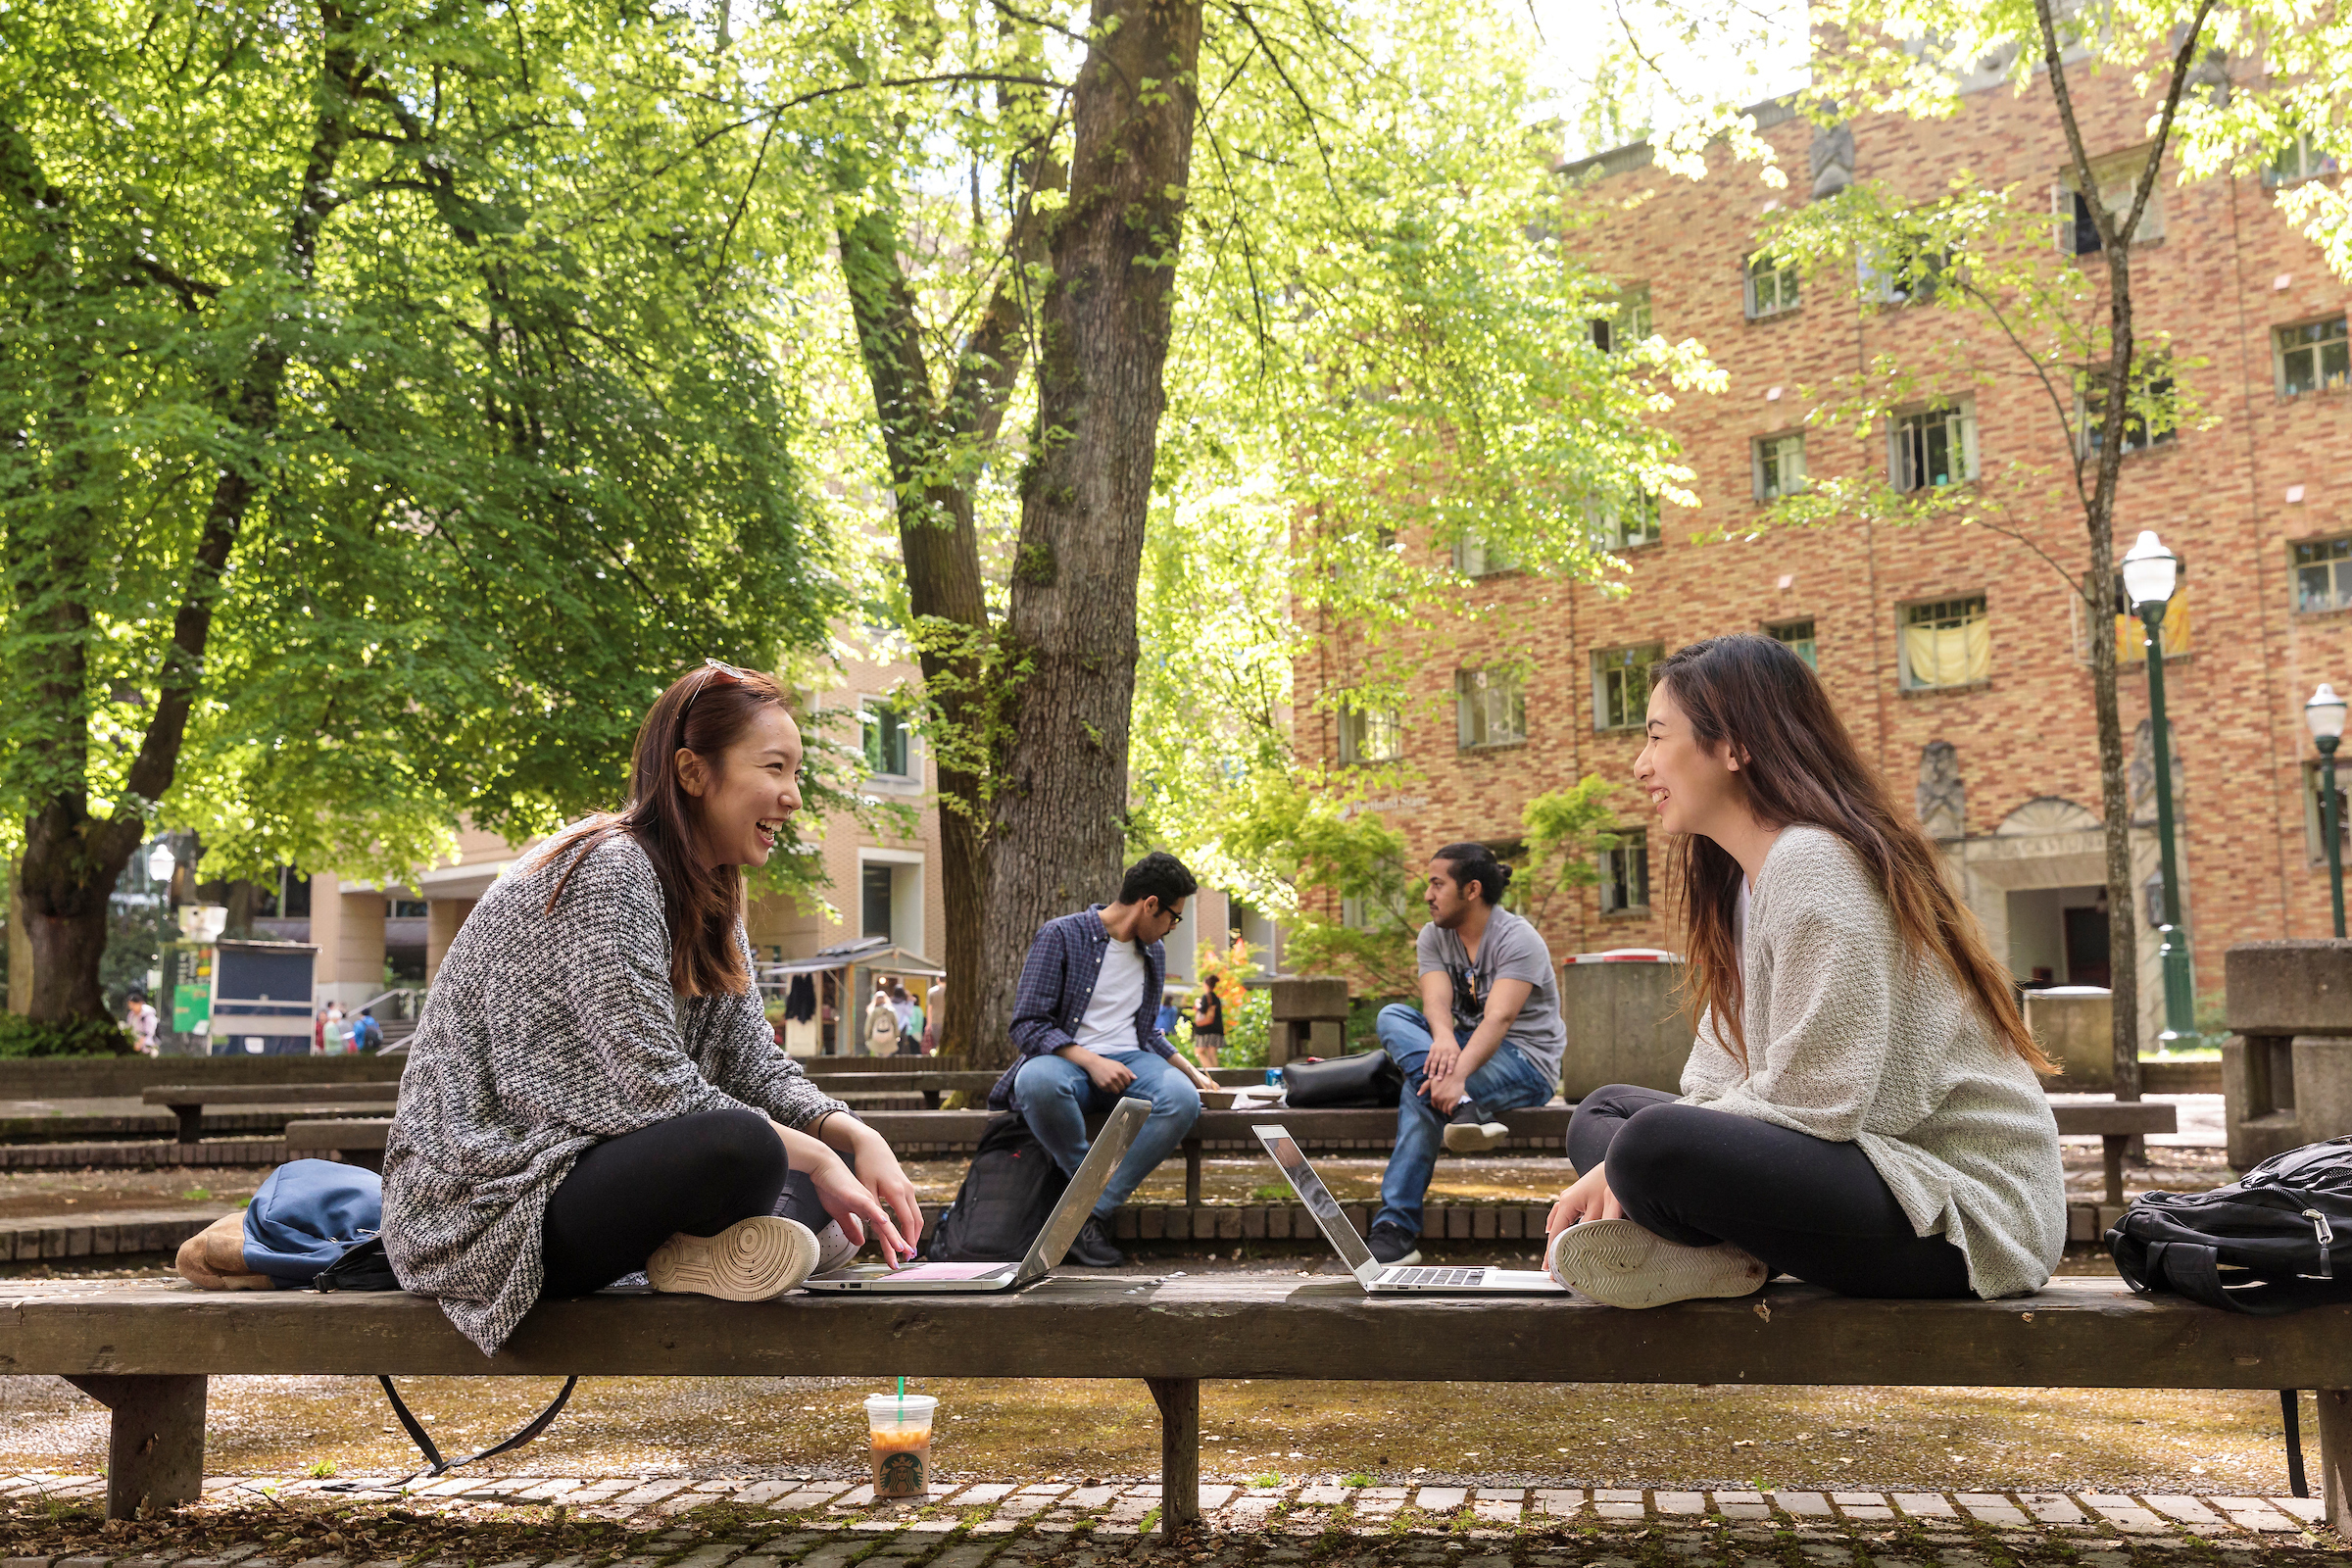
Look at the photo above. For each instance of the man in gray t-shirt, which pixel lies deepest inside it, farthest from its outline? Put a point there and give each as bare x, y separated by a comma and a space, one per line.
1488, 973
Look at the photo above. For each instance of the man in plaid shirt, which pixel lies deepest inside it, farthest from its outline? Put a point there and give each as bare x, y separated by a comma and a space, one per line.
1085, 1022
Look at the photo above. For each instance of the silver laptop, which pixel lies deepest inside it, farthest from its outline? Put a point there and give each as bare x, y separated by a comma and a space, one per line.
1371, 1273
1110, 1146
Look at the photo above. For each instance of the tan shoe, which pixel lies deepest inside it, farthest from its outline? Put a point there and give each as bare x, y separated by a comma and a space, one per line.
755, 1259
1618, 1263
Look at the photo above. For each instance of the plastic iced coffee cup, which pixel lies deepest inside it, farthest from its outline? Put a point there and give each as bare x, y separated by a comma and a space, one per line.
900, 1425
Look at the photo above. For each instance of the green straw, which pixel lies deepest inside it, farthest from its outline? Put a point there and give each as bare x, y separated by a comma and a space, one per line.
901, 1399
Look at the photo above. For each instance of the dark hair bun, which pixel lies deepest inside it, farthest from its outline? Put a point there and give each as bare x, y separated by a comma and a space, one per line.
1502, 875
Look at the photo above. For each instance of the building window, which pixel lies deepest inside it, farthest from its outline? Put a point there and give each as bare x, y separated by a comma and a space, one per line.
1908, 275
1490, 708
2132, 638
1621, 685
1933, 448
1779, 467
2323, 574
1626, 524
2315, 794
873, 901
1946, 641
889, 743
2315, 355
1771, 286
2298, 161
405, 909
1625, 325
1371, 735
1798, 635
1625, 873
2118, 181
2149, 411
1472, 557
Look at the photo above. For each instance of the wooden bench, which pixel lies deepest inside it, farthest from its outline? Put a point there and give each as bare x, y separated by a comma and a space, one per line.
361, 1141
147, 1349
931, 1083
187, 1102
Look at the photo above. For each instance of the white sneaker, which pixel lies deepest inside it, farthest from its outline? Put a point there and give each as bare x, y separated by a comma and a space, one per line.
1618, 1263
755, 1259
833, 1248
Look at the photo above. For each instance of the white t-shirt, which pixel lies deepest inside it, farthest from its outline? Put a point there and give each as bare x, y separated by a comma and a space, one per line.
1108, 1027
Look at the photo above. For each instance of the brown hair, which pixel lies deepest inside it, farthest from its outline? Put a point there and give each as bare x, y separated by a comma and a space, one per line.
705, 712
1801, 766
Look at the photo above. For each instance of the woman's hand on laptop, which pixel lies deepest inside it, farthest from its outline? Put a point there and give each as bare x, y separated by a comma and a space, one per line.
1589, 1198
877, 1171
856, 1212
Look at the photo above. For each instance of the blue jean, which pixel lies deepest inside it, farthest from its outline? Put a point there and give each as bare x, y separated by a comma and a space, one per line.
1504, 1081
1054, 1095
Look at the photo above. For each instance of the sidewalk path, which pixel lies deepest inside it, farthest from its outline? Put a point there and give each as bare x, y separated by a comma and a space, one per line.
790, 1522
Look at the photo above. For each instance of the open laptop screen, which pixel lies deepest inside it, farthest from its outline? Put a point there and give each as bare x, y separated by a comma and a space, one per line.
1315, 1195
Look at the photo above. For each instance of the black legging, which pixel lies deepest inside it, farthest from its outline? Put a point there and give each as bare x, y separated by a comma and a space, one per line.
1805, 1205
628, 1195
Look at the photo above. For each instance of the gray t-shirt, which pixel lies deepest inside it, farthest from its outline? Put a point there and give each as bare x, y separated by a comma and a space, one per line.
1512, 950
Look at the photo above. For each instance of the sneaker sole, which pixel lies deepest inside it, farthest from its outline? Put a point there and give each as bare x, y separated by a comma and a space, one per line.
754, 1260
1618, 1263
1475, 1140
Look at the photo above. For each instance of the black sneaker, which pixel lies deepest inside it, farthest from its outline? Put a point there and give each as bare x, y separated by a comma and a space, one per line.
1472, 1131
1093, 1248
1392, 1244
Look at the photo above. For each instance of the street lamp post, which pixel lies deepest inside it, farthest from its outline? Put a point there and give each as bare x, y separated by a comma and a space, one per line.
2325, 713
2150, 575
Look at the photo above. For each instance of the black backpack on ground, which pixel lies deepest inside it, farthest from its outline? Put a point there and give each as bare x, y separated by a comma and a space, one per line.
2264, 1244
1006, 1198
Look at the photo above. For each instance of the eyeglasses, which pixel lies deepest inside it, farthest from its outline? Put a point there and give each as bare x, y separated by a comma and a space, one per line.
711, 670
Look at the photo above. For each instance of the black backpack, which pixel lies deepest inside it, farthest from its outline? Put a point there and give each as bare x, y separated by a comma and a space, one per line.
2264, 1244
1006, 1198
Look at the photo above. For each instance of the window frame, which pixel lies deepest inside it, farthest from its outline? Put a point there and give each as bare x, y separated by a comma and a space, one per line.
2339, 564
1638, 712
1787, 287
1627, 322
1761, 454
1606, 521
1491, 562
1959, 414
2280, 352
2310, 164
1807, 648
1616, 867
2156, 381
874, 717
1906, 617
1349, 740
2118, 176
1894, 277
1475, 691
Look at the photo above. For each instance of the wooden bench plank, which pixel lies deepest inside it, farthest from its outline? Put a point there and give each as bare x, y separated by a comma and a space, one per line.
2078, 1333
383, 1093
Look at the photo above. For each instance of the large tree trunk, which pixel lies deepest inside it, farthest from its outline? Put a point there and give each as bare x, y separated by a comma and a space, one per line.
2099, 516
73, 859
1069, 649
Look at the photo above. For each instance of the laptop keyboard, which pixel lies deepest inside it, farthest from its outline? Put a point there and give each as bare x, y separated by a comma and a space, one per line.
1433, 1276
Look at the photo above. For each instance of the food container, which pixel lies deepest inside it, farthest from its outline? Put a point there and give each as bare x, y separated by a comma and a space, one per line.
900, 1429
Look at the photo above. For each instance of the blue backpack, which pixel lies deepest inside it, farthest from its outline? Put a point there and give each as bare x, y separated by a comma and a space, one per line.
314, 1223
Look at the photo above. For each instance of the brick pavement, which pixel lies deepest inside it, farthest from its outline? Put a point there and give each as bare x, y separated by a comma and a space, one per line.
47, 1521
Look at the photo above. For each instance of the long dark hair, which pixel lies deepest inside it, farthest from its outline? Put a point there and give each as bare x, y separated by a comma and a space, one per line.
705, 712
1802, 768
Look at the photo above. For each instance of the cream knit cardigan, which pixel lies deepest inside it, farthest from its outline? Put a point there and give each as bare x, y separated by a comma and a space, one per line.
1852, 1039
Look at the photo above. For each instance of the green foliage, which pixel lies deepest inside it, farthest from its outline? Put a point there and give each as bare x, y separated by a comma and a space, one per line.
1316, 848
1248, 1026
1564, 827
507, 411
20, 1037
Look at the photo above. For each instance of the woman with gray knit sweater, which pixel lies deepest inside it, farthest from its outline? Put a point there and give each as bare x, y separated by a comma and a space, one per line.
1861, 1107
594, 1088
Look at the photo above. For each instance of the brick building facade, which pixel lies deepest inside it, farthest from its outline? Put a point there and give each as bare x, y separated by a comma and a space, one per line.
1956, 655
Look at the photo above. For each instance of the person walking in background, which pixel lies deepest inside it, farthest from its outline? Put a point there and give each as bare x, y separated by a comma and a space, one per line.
1209, 1025
141, 1020
1082, 1020
333, 1038
1486, 1037
1861, 1107
367, 1035
881, 1021
935, 1006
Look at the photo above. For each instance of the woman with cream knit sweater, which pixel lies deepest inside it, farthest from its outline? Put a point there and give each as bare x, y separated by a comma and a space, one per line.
1861, 1107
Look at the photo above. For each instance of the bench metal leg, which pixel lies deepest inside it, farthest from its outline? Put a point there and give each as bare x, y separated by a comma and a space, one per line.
2335, 1456
2114, 1144
191, 1123
1192, 1173
1179, 1401
155, 1455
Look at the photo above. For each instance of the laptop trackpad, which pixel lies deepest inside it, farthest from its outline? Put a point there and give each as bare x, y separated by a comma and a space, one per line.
917, 1271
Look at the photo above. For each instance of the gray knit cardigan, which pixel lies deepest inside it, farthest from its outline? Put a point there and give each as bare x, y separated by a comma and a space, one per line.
546, 1033
1853, 1038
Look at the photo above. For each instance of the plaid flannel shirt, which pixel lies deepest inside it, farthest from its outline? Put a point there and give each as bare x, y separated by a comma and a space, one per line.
1058, 981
